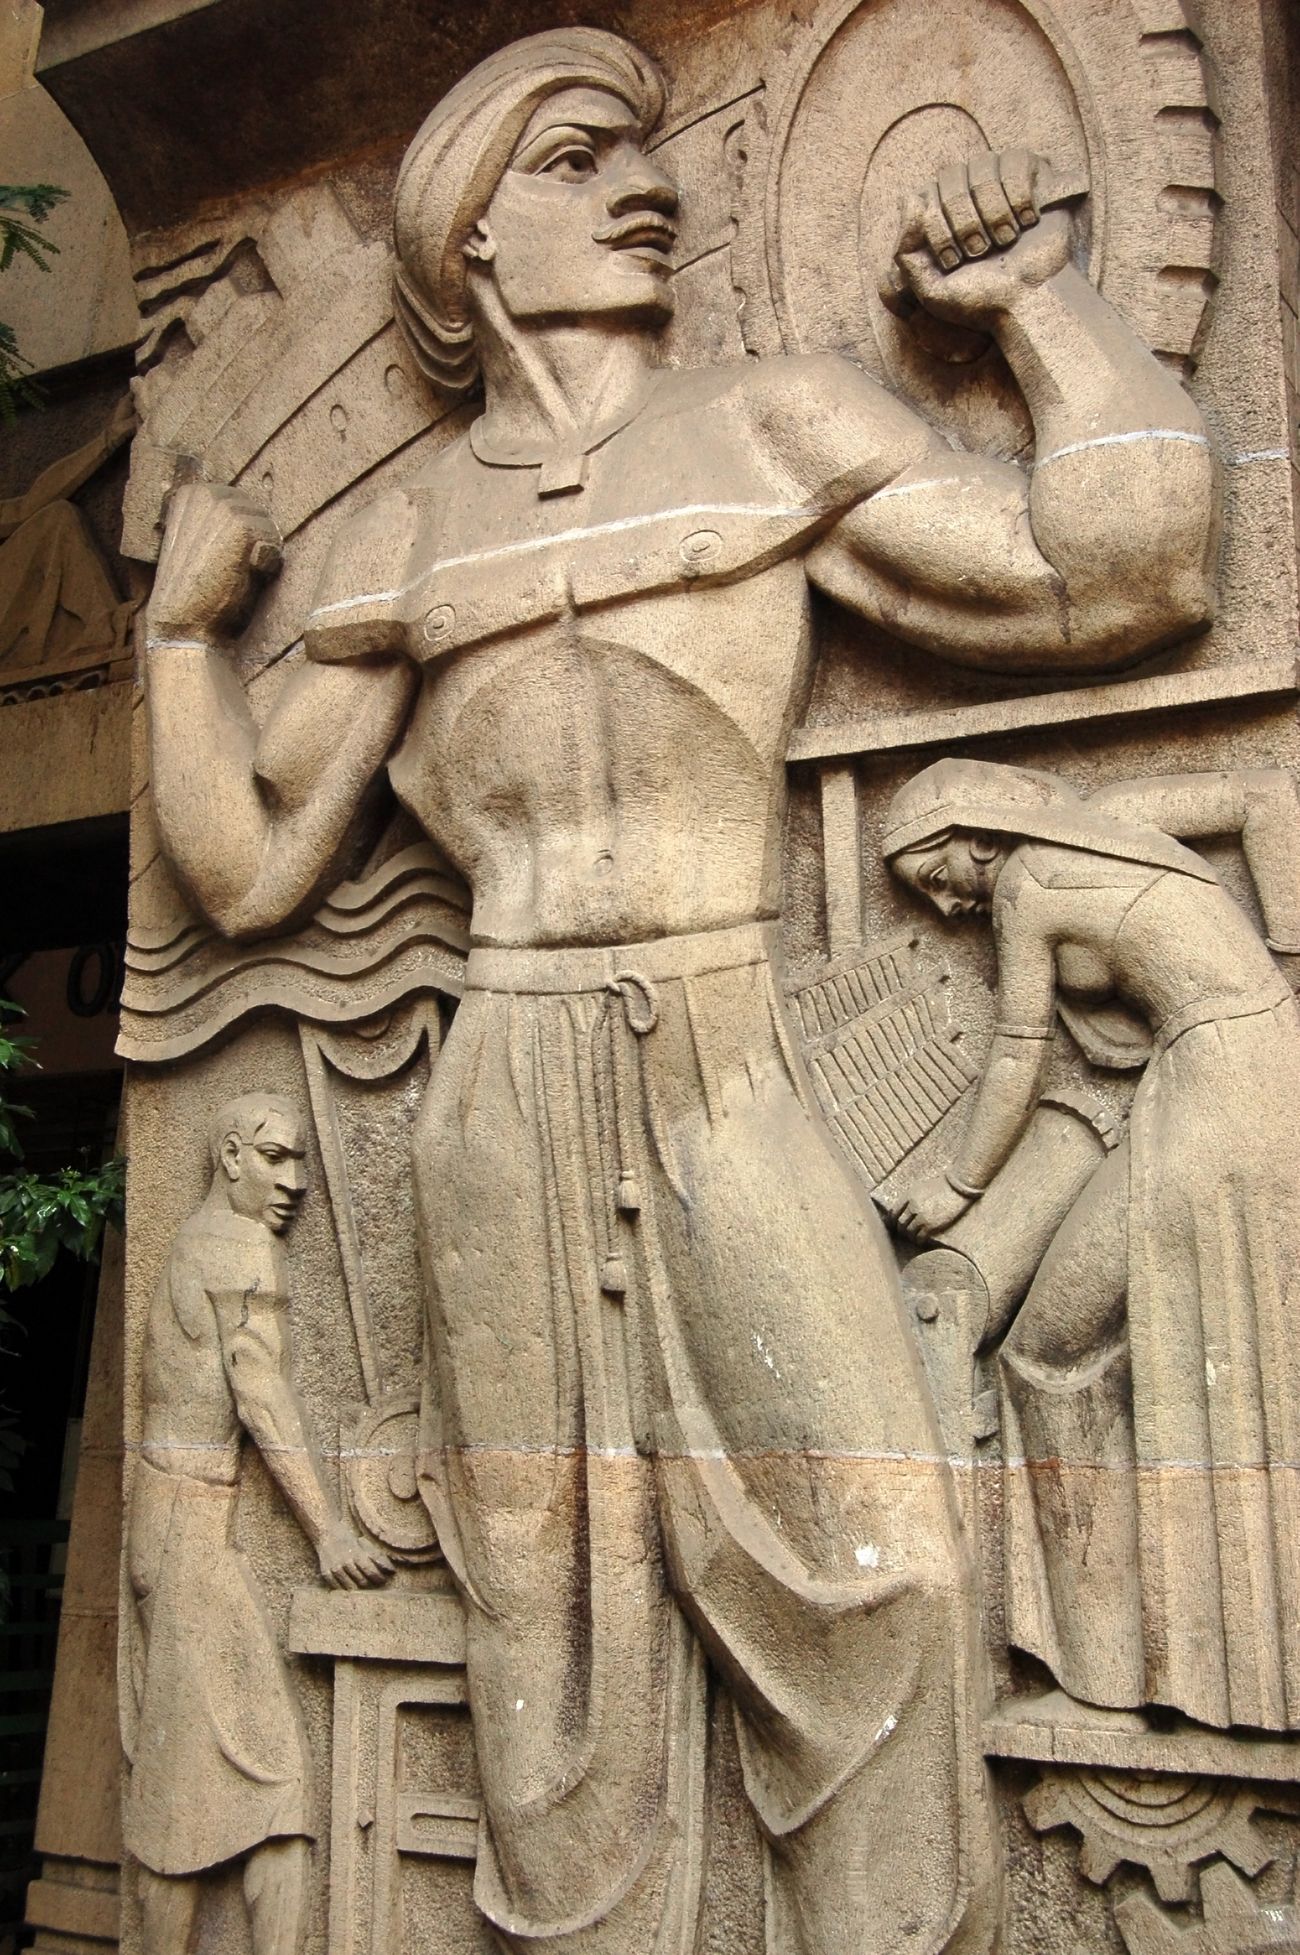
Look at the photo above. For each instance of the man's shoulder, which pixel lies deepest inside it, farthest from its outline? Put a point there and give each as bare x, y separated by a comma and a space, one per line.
385, 523
829, 428
362, 574
224, 1252
779, 382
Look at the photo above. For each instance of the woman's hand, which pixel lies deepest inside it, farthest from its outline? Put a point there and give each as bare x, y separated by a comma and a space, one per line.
930, 1206
123, 424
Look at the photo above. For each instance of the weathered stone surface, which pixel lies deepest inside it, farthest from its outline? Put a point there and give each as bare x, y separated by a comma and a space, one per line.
67, 758
812, 1372
78, 1827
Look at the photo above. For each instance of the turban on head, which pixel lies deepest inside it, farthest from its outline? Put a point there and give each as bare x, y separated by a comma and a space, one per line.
459, 156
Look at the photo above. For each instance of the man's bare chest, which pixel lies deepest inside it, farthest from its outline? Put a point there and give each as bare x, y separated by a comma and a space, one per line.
651, 685
469, 552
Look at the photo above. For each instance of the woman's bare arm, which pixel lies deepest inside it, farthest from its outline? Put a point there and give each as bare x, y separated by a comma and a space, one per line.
1026, 1007
1013, 1074
1257, 804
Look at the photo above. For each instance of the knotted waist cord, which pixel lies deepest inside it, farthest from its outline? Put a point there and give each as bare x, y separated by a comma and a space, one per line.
627, 977
640, 1003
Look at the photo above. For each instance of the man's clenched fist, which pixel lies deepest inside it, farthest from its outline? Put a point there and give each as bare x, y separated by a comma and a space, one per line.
978, 236
218, 549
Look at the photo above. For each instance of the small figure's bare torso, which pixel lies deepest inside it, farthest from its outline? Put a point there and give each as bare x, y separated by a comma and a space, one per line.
1159, 940
192, 1424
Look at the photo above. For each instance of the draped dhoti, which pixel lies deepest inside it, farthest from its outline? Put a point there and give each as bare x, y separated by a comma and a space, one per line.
676, 1431
220, 1763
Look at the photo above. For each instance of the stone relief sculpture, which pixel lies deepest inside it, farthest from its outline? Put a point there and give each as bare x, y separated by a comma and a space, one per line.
577, 642
219, 1774
1151, 1378
58, 607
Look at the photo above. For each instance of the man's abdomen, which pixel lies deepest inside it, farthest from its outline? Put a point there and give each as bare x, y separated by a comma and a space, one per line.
619, 775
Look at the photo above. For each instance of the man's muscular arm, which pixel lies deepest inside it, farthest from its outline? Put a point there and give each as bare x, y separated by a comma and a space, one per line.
255, 1351
1099, 552
253, 822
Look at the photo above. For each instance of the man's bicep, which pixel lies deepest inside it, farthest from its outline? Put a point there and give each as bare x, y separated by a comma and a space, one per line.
332, 727
944, 557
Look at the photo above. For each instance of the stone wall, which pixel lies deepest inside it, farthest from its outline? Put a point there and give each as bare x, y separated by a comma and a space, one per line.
770, 1402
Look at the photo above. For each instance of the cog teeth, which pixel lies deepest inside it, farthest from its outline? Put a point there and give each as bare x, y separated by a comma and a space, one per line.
1049, 1805
1233, 1922
1146, 1930
1239, 1842
1226, 1900
1174, 1880
1098, 1860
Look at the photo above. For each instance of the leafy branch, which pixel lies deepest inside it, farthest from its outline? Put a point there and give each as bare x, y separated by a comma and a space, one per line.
18, 234
42, 1214
22, 208
39, 1216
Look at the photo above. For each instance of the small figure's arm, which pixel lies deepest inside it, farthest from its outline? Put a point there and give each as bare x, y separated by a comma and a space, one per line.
255, 1350
1100, 550
253, 822
1017, 1061
1258, 804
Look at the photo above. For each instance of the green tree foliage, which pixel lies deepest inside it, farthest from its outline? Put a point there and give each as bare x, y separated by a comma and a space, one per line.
40, 1214
22, 208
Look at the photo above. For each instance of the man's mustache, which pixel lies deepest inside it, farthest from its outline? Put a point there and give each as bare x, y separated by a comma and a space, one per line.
637, 222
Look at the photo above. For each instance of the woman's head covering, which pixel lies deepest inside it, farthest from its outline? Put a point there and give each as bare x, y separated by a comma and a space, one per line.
459, 156
984, 797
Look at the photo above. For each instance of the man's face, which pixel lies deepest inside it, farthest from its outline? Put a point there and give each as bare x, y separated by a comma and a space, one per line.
582, 221
266, 1176
958, 873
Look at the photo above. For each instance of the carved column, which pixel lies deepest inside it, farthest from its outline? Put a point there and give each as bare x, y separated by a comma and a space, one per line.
748, 838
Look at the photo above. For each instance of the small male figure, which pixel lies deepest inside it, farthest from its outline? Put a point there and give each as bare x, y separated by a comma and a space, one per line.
219, 1763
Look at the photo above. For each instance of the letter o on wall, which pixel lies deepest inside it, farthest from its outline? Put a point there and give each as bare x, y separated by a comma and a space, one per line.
92, 979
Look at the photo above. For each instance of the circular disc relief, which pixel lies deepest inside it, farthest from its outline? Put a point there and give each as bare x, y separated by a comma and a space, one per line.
874, 97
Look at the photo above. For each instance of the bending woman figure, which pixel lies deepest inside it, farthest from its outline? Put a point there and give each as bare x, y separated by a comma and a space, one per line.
1151, 1382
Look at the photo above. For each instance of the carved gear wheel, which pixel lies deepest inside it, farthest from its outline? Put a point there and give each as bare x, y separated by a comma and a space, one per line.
1233, 1922
379, 1469
1157, 1820
863, 106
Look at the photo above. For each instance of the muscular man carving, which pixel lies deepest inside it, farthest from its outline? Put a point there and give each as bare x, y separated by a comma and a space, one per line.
675, 1426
